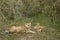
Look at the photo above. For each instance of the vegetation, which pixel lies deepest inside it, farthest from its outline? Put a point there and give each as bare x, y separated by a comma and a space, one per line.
16, 12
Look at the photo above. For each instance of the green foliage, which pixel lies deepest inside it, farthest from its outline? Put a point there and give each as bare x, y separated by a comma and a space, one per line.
12, 11
17, 12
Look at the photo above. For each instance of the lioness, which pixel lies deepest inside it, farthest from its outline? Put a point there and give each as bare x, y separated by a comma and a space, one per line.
38, 27
23, 28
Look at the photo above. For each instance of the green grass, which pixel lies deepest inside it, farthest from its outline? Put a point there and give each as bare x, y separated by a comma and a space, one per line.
49, 33
18, 12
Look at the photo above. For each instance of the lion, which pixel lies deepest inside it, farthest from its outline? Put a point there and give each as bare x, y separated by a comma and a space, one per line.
18, 29
27, 25
38, 27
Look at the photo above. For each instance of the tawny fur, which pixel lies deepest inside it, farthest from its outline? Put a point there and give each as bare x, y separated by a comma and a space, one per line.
23, 28
17, 29
38, 27
28, 25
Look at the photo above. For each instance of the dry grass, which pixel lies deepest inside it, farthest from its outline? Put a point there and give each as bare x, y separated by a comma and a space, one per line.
47, 34
16, 12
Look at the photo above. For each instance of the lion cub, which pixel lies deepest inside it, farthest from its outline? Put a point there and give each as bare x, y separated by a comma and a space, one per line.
23, 28
38, 27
